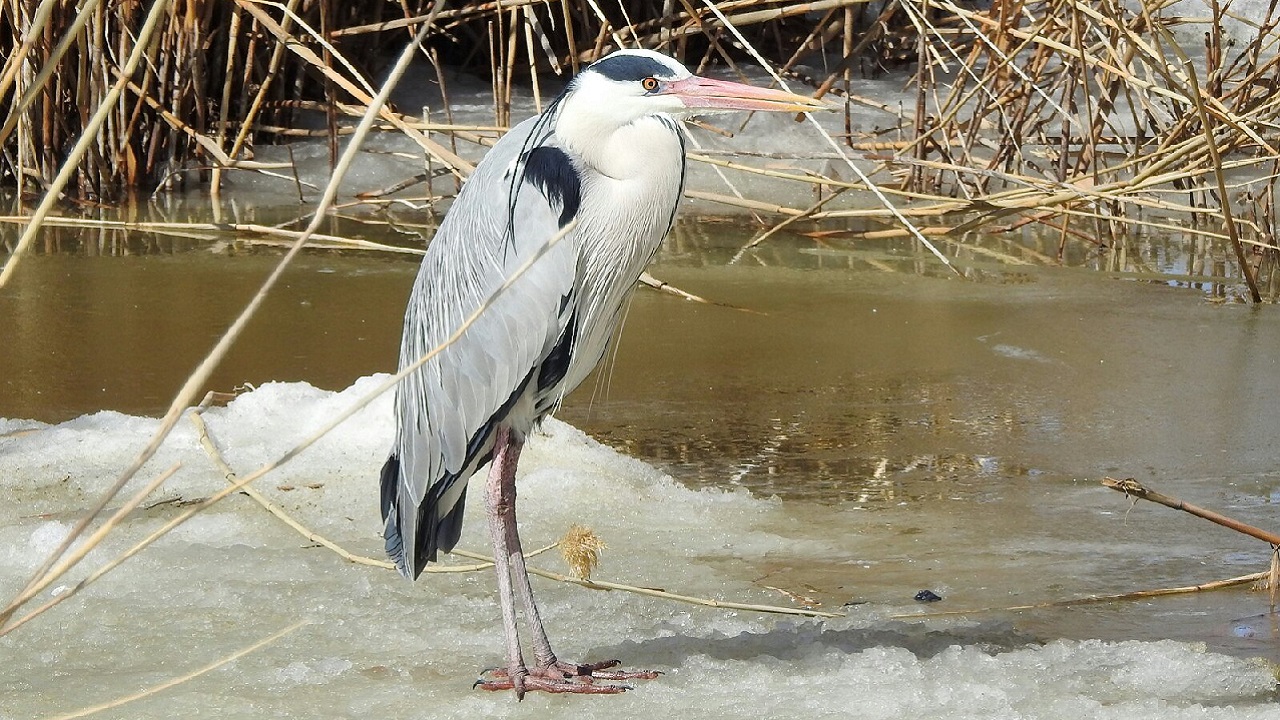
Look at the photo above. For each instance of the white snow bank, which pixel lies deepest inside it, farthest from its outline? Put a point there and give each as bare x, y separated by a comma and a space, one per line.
376, 645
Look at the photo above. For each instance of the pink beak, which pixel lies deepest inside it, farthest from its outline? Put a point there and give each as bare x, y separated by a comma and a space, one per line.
704, 93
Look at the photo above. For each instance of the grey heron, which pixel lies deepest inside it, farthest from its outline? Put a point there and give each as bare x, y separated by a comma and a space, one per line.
603, 170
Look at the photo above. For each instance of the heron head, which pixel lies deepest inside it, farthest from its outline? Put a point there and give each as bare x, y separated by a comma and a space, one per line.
630, 84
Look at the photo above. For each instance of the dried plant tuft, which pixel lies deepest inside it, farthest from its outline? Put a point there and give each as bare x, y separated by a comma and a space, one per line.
581, 548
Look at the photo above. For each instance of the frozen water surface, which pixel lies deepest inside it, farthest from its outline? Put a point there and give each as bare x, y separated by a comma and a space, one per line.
375, 645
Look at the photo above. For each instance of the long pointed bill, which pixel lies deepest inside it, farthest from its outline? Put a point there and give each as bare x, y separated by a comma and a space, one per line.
699, 93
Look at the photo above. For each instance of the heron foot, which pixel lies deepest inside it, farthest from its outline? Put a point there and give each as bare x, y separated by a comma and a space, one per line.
562, 677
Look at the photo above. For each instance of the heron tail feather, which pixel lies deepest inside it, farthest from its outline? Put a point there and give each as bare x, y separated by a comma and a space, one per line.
430, 534
391, 515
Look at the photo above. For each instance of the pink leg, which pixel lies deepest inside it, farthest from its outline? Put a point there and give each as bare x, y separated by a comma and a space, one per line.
550, 674
500, 507
547, 663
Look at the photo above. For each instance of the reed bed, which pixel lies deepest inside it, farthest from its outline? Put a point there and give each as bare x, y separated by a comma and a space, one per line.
1090, 119
218, 78
1081, 118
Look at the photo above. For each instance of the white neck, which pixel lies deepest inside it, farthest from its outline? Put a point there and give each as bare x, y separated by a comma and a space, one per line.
618, 136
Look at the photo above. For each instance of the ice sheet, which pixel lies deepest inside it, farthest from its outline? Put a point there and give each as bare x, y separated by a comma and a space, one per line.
376, 645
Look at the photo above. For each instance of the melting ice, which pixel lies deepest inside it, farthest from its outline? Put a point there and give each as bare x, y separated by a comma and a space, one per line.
375, 645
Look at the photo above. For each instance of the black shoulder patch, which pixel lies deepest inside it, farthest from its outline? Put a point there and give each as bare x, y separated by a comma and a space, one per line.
630, 67
551, 171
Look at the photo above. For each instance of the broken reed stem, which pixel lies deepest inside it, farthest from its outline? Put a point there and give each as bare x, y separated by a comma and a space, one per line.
807, 212
662, 286
1093, 599
1128, 486
1135, 489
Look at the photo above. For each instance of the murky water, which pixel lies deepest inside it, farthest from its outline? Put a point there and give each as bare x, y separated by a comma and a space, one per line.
920, 430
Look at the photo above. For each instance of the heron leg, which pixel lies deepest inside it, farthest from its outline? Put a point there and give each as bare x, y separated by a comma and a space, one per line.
500, 507
547, 663
549, 674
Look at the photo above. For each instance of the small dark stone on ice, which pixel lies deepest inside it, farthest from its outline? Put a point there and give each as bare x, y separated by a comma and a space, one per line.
927, 596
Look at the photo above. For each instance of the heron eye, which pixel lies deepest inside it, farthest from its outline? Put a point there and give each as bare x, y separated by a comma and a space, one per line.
649, 84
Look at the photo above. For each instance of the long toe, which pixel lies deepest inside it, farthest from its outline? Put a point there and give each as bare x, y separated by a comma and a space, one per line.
563, 677
583, 685
500, 680
598, 670
504, 679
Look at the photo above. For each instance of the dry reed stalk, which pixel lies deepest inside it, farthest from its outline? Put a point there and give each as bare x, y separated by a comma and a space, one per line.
206, 442
807, 212
224, 116
1225, 201
212, 231
582, 553
47, 573
1133, 488
662, 286
663, 594
87, 138
1094, 599
174, 682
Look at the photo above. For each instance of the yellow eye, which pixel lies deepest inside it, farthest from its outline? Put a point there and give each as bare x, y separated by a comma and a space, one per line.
649, 84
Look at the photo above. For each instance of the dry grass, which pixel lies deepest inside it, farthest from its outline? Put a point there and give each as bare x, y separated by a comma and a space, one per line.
581, 549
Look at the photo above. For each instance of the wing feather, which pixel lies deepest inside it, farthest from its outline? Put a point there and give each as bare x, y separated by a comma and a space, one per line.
519, 197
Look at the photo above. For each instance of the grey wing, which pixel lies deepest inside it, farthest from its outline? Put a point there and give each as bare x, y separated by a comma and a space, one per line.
448, 408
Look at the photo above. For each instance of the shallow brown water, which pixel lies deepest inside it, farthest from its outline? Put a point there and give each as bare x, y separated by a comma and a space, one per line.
967, 413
